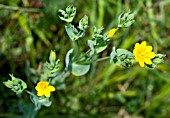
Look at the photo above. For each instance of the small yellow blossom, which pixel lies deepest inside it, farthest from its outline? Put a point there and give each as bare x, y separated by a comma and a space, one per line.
43, 88
111, 32
143, 54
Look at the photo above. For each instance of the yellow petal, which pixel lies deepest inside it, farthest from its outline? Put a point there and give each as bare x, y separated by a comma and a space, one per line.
51, 88
47, 93
45, 83
148, 49
134, 51
142, 47
137, 58
37, 88
40, 93
143, 44
141, 63
136, 46
111, 32
151, 55
148, 61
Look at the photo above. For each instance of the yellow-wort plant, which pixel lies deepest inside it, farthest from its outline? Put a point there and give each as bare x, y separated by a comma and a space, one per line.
78, 62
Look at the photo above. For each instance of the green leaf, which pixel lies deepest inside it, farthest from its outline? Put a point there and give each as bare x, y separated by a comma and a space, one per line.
91, 45
68, 59
123, 51
73, 33
113, 54
100, 49
39, 101
101, 45
76, 69
46, 102
79, 70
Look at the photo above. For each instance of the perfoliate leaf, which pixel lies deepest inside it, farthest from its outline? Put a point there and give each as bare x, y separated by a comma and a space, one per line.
73, 33
101, 45
123, 51
79, 70
39, 101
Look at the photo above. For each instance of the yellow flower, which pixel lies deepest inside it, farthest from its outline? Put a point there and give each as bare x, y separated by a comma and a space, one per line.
43, 88
111, 32
143, 54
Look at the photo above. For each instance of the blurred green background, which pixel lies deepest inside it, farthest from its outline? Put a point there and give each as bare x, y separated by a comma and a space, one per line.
29, 29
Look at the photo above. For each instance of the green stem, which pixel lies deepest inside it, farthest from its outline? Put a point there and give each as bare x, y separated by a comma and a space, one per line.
101, 59
30, 93
18, 8
96, 60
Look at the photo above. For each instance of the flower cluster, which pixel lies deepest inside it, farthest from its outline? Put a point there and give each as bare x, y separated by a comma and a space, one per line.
78, 62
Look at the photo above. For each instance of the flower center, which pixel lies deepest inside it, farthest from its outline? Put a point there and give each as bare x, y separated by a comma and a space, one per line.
140, 54
43, 86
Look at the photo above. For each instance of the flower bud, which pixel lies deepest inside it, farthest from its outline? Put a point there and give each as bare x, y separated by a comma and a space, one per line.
67, 15
126, 19
52, 57
16, 85
83, 23
111, 32
158, 59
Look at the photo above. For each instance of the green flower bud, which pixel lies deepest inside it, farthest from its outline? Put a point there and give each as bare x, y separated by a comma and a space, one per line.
124, 60
158, 59
126, 19
131, 16
67, 15
97, 32
16, 85
121, 57
53, 66
83, 23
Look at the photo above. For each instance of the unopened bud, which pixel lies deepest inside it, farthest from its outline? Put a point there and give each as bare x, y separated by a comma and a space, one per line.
52, 57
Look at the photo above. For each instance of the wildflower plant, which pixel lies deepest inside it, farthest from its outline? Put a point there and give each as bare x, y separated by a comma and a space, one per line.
78, 62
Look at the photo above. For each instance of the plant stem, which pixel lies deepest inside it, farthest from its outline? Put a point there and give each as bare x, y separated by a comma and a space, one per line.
101, 59
29, 93
96, 60
19, 8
